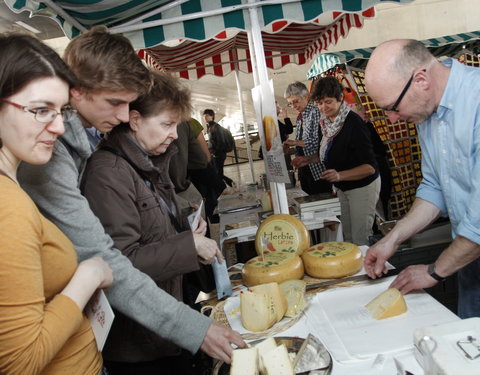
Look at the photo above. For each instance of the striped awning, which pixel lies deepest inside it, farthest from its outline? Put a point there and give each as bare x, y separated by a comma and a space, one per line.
148, 23
443, 46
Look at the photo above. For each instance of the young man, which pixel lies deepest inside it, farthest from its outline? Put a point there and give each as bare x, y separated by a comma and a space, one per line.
109, 77
405, 79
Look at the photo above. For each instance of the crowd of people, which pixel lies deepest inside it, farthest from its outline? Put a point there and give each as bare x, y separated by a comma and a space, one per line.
101, 164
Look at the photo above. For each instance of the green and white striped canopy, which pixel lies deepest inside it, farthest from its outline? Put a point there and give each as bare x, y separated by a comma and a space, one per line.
150, 22
442, 46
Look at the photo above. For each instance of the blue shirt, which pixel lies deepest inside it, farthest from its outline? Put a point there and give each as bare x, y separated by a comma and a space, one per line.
308, 128
450, 141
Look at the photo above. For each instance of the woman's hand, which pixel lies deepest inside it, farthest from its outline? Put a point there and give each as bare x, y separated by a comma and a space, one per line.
300, 161
202, 227
99, 270
331, 175
207, 249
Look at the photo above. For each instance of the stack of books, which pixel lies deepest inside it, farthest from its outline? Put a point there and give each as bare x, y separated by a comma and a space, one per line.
323, 202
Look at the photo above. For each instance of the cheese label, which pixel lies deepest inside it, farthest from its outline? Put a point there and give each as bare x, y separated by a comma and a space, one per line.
331, 249
270, 259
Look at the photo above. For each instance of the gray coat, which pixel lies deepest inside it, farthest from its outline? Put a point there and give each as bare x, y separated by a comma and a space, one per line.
54, 188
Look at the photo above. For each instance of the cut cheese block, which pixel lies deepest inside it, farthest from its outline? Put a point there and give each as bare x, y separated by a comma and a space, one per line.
244, 362
282, 233
294, 292
257, 311
272, 290
262, 348
273, 267
332, 260
387, 304
277, 362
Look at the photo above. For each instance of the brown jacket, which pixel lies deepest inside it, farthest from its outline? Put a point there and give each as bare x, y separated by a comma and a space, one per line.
141, 228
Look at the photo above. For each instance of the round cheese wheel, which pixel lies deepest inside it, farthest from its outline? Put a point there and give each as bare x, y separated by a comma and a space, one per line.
332, 260
272, 267
282, 233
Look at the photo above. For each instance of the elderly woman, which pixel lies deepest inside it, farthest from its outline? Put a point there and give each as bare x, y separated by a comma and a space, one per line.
346, 151
128, 187
307, 138
42, 288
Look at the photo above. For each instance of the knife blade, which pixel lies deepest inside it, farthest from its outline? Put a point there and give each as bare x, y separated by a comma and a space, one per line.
364, 277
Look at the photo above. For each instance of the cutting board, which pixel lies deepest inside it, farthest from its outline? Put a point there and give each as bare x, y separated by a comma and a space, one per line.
343, 313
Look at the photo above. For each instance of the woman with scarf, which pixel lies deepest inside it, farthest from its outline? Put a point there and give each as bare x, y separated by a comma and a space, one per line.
347, 152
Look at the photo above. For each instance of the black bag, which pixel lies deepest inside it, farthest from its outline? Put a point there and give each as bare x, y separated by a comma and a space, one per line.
225, 140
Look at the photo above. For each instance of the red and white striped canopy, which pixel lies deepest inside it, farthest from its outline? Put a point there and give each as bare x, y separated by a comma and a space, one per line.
284, 42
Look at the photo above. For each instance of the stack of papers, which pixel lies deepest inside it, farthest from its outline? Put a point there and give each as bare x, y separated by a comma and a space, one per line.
240, 229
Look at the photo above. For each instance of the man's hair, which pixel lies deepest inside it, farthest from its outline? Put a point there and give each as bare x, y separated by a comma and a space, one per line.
413, 55
327, 87
104, 61
167, 93
295, 89
209, 112
24, 59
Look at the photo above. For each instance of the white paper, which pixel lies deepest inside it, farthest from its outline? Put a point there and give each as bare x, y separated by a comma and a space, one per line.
194, 217
100, 314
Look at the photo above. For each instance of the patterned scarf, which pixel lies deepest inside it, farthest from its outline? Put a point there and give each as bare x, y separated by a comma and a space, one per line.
331, 129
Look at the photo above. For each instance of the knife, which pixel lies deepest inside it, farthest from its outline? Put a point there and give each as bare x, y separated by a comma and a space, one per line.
364, 277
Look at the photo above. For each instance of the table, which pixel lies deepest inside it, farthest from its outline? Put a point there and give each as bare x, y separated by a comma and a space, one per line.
241, 207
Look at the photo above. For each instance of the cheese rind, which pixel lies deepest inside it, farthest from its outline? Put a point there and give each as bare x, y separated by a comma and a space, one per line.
273, 267
277, 362
387, 304
244, 362
257, 311
294, 292
282, 233
273, 290
332, 260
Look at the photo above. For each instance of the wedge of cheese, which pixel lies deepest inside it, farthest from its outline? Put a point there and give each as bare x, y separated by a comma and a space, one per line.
244, 362
273, 290
387, 304
332, 260
257, 311
273, 267
294, 292
277, 362
282, 233
262, 348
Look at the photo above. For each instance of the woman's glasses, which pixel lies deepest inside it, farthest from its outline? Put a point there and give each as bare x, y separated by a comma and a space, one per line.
45, 115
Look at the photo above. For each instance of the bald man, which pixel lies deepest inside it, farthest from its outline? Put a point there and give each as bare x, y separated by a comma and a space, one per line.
443, 99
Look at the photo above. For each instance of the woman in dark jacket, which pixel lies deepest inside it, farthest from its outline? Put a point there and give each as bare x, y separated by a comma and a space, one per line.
347, 152
128, 187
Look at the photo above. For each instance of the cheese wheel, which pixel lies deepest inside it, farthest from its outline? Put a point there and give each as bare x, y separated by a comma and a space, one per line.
244, 362
332, 260
269, 130
281, 232
277, 361
257, 311
273, 267
387, 304
273, 290
294, 292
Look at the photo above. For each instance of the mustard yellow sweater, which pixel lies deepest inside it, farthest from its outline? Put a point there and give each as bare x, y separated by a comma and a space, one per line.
41, 331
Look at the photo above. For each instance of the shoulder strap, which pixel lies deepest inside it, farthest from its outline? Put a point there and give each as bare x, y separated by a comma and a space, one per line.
149, 184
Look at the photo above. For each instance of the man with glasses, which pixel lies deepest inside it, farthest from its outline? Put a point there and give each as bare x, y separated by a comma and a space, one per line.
109, 77
403, 77
307, 138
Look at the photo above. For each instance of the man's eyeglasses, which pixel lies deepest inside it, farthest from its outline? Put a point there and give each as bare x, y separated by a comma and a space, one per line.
45, 115
293, 103
394, 107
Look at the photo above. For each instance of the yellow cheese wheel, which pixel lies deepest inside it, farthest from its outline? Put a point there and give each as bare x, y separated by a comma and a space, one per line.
281, 232
257, 311
387, 304
332, 260
273, 267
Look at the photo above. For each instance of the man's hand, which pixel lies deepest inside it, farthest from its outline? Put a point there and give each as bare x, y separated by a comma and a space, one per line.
413, 278
218, 340
376, 257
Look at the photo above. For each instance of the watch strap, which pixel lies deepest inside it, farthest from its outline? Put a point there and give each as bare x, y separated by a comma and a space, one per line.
431, 272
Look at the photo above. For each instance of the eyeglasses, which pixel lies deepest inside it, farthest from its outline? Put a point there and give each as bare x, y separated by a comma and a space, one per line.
45, 115
394, 107
293, 103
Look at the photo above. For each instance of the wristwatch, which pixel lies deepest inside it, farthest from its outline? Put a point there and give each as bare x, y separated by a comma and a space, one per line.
431, 272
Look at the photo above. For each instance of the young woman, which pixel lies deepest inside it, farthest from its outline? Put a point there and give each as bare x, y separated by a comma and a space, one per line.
42, 288
128, 187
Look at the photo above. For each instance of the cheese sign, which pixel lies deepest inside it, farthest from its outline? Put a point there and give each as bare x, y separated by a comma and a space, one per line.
282, 233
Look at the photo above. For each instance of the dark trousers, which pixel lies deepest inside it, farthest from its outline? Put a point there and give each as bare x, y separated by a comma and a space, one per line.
219, 161
309, 185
